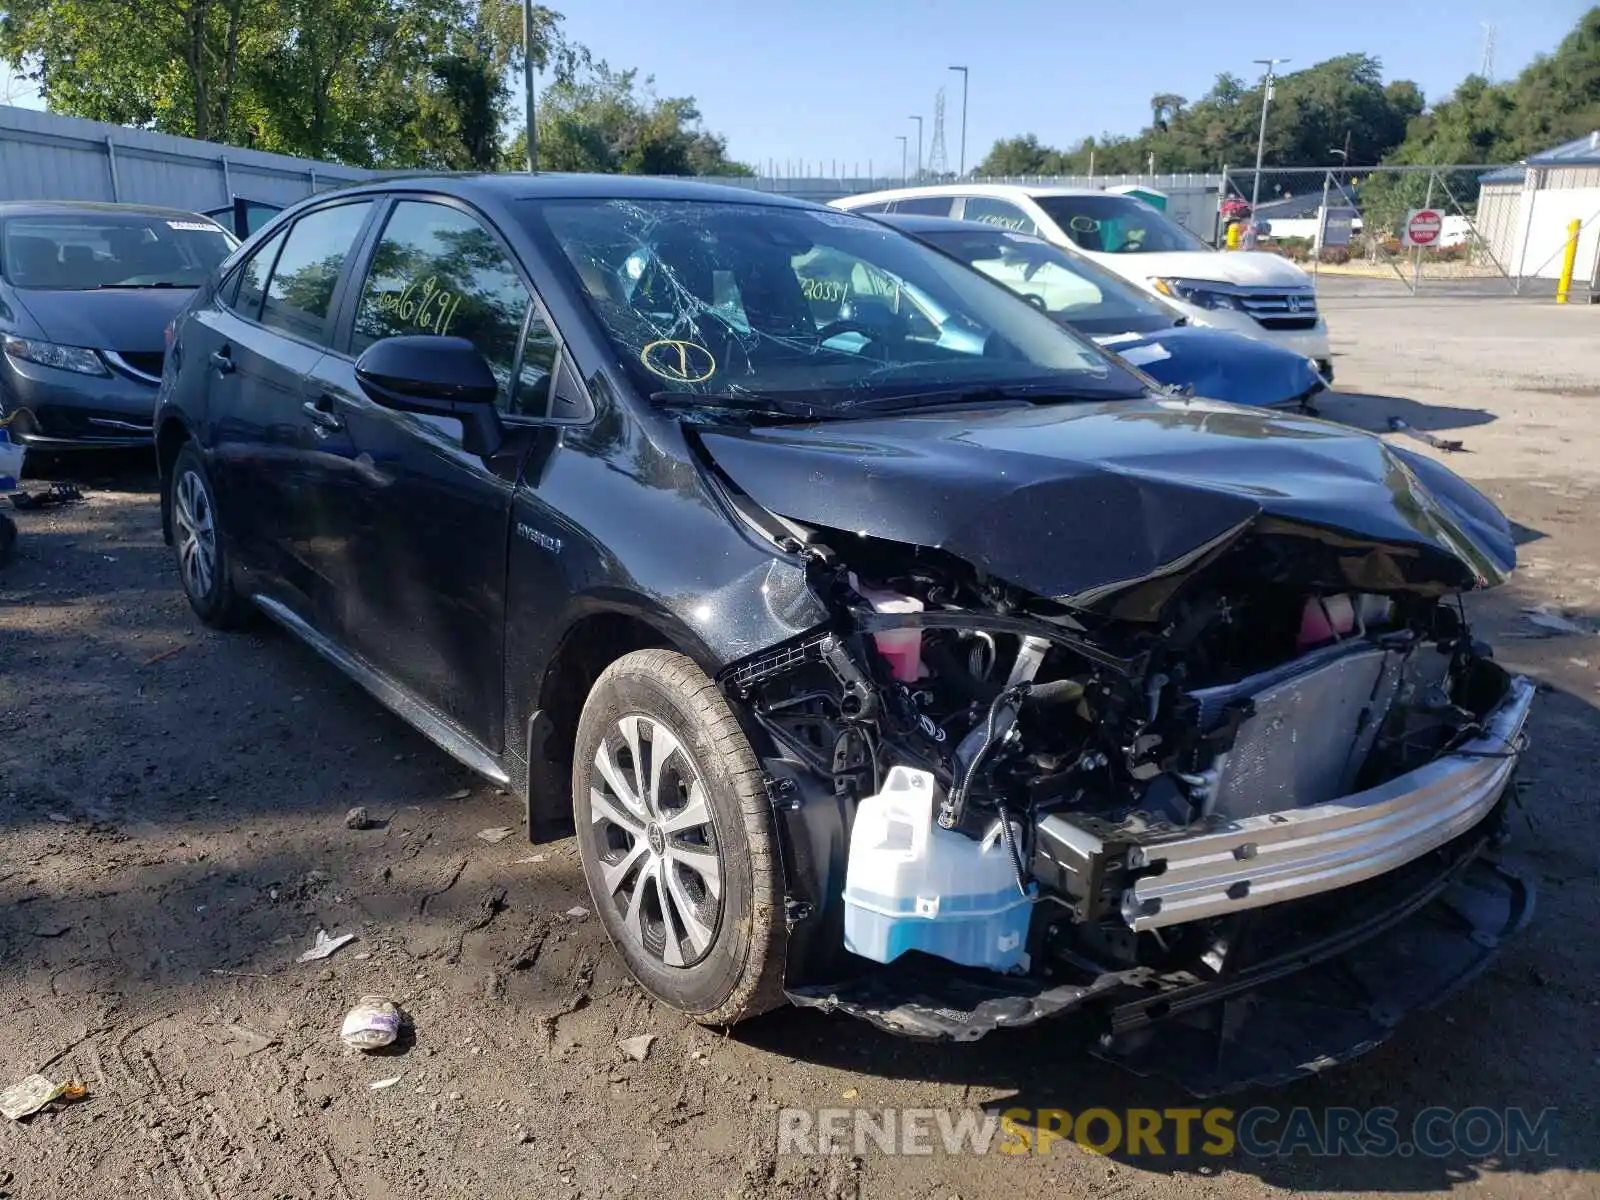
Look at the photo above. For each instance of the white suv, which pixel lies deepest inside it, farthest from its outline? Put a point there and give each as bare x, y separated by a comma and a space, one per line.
1261, 295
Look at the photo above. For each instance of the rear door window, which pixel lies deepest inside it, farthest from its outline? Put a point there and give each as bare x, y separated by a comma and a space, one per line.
925, 206
988, 210
300, 292
243, 292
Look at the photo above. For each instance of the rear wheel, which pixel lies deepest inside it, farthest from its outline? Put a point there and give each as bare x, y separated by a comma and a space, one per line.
676, 838
201, 551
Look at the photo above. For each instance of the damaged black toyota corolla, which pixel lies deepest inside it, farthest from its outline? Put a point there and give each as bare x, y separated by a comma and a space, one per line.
893, 650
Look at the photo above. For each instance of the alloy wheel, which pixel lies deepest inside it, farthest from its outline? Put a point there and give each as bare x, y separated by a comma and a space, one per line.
653, 835
197, 534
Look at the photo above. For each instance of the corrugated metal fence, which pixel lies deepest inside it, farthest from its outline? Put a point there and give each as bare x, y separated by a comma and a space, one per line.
48, 157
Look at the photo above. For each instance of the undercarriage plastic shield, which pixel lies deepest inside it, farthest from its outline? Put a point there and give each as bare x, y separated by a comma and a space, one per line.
1340, 1008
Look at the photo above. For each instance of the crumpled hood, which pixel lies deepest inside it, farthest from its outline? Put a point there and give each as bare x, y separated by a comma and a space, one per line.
1247, 267
1079, 501
1220, 365
129, 320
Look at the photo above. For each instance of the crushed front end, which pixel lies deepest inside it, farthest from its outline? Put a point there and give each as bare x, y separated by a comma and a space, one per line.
1249, 813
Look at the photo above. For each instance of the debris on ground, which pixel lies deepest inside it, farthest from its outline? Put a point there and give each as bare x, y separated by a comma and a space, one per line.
460, 794
372, 1024
55, 494
164, 655
325, 946
1553, 619
246, 1041
496, 835
34, 1093
577, 912
379, 1084
61, 818
533, 858
1449, 445
637, 1048
358, 818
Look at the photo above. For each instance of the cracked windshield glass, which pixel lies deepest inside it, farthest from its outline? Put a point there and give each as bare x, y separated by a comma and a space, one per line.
746, 303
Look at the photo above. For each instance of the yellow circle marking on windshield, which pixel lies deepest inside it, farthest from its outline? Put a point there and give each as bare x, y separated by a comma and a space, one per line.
681, 362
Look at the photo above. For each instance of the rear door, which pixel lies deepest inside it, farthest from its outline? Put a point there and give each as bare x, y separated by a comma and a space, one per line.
421, 527
274, 457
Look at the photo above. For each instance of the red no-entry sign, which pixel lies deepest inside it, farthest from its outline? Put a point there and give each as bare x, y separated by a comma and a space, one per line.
1423, 227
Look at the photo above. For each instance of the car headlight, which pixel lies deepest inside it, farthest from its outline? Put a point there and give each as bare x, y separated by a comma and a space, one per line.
1198, 292
63, 358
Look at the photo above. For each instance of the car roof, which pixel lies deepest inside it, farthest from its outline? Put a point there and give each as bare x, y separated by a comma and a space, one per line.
1007, 191
502, 188
56, 208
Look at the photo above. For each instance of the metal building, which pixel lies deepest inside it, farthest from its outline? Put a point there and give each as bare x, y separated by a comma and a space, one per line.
1524, 211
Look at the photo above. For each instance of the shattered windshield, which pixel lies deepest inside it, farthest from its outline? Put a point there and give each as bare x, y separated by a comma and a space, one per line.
1117, 225
755, 300
1067, 286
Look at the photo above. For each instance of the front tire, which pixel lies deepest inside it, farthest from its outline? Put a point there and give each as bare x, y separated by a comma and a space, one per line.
197, 539
676, 837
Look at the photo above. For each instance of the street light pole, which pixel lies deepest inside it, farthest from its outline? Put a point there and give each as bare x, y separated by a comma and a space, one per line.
1344, 162
918, 120
527, 84
1261, 138
962, 174
902, 138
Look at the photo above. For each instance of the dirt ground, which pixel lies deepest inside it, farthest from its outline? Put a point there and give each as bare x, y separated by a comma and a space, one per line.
172, 836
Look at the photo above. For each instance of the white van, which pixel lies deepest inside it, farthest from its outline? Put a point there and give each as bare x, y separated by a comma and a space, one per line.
1260, 295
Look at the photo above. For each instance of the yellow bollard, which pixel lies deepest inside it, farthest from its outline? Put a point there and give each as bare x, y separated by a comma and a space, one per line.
1569, 261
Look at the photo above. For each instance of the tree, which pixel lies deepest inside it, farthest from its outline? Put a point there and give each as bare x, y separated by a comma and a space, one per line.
1556, 99
1020, 156
610, 121
1164, 106
169, 64
1313, 110
402, 83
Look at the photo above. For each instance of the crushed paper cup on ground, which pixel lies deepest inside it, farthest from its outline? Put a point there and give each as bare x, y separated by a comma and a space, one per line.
372, 1024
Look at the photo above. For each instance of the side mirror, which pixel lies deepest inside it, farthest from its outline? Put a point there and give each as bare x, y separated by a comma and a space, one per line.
439, 376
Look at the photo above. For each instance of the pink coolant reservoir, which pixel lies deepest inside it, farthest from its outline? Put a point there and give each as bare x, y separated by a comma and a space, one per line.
1324, 618
902, 647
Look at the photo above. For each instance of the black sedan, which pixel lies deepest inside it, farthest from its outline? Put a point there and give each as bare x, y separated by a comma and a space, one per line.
933, 671
86, 294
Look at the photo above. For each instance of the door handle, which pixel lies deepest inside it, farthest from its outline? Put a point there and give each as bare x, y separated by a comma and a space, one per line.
222, 360
322, 415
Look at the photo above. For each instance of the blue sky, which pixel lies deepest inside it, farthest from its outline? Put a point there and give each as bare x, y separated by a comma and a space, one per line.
825, 81
834, 79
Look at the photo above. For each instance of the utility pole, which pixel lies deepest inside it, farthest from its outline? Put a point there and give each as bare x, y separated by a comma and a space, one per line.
918, 120
902, 138
962, 168
527, 84
1261, 138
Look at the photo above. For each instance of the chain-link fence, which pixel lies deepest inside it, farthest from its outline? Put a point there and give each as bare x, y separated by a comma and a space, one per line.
1459, 230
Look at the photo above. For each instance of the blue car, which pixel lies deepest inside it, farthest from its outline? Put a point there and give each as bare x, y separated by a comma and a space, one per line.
1132, 324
